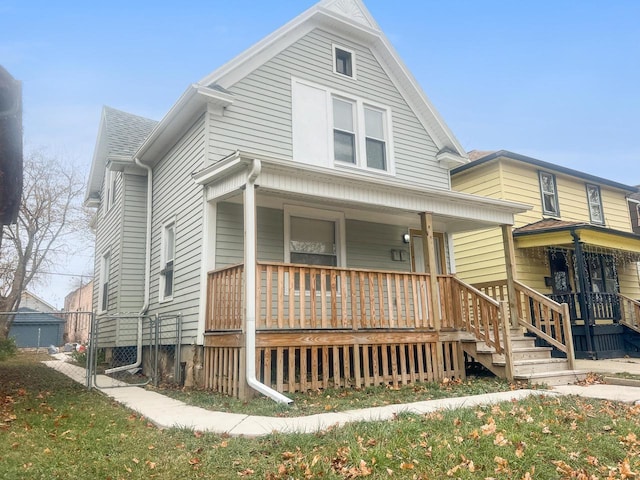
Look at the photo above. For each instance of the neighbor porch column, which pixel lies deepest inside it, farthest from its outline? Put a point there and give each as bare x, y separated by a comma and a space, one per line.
510, 265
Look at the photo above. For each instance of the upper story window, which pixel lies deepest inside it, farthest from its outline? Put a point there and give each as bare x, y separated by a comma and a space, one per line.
103, 293
549, 194
595, 204
110, 188
360, 134
167, 260
376, 144
343, 61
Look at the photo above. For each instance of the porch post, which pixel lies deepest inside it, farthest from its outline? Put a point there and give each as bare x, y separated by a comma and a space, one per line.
428, 245
510, 265
583, 296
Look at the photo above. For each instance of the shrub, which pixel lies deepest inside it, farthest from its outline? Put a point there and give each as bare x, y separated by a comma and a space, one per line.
7, 349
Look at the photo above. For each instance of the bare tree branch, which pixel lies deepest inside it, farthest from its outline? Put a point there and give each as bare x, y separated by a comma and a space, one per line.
51, 211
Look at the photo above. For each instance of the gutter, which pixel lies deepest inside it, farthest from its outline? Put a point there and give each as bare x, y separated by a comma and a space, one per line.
147, 273
250, 286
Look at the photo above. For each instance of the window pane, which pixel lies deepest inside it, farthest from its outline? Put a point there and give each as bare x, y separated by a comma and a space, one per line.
376, 157
374, 123
342, 115
344, 147
547, 183
343, 62
549, 203
311, 259
170, 243
312, 236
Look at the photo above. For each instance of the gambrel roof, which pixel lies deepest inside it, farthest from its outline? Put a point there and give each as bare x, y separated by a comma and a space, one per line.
119, 137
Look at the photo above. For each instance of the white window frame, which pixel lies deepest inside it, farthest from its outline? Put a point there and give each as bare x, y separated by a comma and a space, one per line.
105, 274
555, 213
316, 214
334, 49
166, 226
110, 188
360, 134
591, 204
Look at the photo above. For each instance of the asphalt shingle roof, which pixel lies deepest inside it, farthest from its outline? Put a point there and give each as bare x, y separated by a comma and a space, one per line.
125, 132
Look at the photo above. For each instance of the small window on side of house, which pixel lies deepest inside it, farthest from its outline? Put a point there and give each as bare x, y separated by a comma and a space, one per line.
595, 204
549, 194
103, 294
167, 261
343, 62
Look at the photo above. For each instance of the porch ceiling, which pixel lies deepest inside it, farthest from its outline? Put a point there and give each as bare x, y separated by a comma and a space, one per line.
357, 192
590, 235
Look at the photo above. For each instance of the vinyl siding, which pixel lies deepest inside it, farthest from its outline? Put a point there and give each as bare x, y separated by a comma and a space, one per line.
259, 120
108, 240
134, 222
177, 196
368, 245
479, 255
230, 234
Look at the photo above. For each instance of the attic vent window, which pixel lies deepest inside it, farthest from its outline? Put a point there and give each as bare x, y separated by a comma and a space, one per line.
343, 62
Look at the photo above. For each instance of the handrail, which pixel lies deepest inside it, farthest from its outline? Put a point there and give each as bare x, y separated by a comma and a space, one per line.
480, 315
547, 319
540, 315
630, 312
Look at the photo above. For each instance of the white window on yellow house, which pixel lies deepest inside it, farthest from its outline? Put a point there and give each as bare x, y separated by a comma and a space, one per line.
549, 193
595, 204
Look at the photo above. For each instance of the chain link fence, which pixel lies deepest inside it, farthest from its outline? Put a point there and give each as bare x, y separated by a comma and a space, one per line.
60, 339
130, 350
103, 352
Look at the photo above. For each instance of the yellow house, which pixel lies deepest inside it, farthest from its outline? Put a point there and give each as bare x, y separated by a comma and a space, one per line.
576, 245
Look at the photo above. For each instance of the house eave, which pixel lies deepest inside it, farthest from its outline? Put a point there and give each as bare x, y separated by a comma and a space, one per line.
191, 104
544, 165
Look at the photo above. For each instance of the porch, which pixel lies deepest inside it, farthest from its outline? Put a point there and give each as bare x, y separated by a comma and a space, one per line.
593, 270
320, 327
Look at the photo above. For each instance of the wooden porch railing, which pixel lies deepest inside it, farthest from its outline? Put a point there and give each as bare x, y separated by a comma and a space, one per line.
328, 326
225, 306
630, 312
545, 318
306, 297
475, 311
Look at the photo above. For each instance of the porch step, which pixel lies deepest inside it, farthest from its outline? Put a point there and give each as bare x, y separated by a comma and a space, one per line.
532, 367
530, 363
560, 377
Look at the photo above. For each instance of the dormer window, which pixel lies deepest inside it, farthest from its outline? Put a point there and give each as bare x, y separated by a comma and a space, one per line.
595, 204
343, 62
549, 194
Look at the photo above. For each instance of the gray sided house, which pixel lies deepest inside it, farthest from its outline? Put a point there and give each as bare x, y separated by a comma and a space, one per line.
295, 208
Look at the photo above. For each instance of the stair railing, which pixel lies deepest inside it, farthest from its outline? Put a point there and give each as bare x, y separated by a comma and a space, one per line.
538, 314
630, 313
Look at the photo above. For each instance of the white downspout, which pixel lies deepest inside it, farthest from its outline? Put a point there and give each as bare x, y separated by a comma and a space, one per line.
147, 273
250, 242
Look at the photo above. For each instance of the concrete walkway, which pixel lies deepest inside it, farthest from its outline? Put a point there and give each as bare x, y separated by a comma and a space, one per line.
166, 412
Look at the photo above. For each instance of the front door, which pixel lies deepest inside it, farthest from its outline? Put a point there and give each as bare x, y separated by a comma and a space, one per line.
417, 252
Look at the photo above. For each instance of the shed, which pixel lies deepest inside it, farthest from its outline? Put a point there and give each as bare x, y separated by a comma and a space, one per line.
31, 328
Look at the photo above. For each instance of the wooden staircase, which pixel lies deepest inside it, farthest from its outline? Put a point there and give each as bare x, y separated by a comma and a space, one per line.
530, 363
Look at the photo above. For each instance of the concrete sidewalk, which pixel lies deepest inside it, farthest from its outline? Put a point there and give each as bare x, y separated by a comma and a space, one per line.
166, 412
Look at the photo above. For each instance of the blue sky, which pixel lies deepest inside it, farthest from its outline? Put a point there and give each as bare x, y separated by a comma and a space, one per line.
555, 80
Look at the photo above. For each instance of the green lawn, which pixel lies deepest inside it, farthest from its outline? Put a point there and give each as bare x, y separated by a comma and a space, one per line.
52, 428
